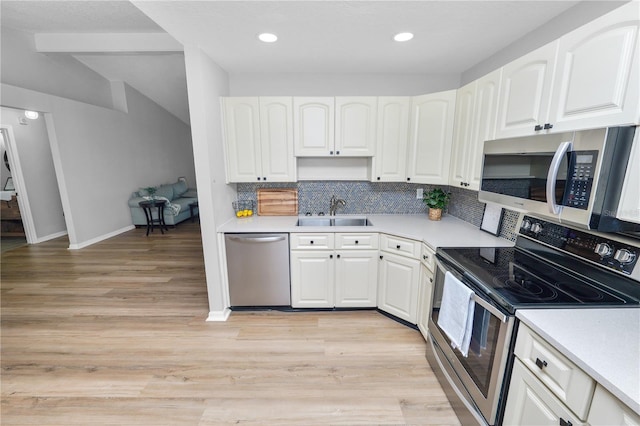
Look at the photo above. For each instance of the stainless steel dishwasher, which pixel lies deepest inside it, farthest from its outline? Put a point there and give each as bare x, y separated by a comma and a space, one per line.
258, 268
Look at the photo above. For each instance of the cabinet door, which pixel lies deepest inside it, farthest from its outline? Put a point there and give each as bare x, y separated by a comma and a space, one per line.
597, 83
276, 136
607, 410
356, 278
526, 92
425, 295
629, 207
355, 126
463, 134
398, 285
530, 403
485, 117
312, 282
391, 141
313, 124
432, 119
242, 139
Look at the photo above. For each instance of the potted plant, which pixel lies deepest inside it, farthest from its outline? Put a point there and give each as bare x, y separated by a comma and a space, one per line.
151, 190
436, 199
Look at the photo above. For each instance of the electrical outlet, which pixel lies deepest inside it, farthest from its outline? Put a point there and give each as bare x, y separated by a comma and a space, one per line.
419, 193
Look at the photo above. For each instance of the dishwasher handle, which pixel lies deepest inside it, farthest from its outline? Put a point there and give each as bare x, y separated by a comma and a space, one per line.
265, 239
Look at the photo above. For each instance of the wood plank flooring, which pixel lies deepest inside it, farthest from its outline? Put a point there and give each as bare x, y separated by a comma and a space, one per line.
115, 334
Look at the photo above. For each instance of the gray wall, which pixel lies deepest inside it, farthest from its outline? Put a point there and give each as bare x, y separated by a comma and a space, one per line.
39, 175
582, 13
60, 75
309, 84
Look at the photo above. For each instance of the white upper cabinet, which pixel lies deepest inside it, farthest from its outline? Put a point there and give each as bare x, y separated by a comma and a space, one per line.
313, 123
242, 139
526, 91
430, 138
355, 126
392, 137
341, 126
462, 134
586, 79
597, 79
259, 139
276, 136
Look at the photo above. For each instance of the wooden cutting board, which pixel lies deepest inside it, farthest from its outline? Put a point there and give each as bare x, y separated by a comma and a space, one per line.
278, 202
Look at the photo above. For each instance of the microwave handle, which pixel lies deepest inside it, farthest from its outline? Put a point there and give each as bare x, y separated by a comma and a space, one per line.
552, 176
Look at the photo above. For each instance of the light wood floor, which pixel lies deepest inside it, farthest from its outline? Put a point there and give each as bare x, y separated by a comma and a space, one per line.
116, 334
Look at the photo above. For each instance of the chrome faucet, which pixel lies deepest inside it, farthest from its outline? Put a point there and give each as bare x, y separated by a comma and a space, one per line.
334, 204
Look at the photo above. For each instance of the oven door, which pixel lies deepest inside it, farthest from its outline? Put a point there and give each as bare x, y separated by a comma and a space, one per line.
482, 372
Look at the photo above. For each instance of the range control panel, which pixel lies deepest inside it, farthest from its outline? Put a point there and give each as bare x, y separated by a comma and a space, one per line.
613, 254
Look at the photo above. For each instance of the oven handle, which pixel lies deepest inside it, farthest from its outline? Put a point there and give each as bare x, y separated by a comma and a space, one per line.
552, 176
486, 305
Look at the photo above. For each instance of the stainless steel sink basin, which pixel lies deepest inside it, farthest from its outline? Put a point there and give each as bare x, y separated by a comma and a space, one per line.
340, 221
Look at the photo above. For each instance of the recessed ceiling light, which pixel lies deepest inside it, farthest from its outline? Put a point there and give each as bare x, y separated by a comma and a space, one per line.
31, 114
403, 37
268, 37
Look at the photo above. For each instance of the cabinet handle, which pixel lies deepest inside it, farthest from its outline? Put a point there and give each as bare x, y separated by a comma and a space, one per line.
330, 152
330, 256
541, 364
337, 152
425, 257
548, 126
264, 178
378, 177
408, 179
380, 257
356, 241
430, 280
258, 178
398, 246
311, 241
338, 256
537, 128
564, 422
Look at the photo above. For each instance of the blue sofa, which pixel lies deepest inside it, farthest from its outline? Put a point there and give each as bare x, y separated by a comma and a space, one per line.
177, 193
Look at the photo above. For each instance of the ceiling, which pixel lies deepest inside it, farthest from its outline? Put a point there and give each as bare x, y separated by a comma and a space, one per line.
314, 36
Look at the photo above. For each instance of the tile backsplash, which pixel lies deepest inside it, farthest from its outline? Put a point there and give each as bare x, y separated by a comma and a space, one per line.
380, 198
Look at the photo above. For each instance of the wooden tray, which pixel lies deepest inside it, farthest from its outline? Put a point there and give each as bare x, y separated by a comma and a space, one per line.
278, 202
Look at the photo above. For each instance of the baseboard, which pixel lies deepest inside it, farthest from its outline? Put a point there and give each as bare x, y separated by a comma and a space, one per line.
219, 316
100, 238
50, 237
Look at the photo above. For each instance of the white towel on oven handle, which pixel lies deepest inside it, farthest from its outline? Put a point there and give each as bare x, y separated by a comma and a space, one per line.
456, 313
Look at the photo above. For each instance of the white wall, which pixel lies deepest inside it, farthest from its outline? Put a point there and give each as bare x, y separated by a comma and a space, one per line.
310, 84
582, 13
102, 155
60, 75
206, 83
33, 148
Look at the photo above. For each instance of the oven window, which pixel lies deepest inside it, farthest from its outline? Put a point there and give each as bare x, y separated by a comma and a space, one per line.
522, 175
484, 340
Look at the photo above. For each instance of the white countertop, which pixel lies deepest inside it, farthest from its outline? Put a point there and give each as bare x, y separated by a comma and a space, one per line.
604, 342
448, 232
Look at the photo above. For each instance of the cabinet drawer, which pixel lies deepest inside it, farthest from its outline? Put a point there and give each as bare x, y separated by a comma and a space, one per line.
428, 257
568, 382
399, 245
356, 241
312, 241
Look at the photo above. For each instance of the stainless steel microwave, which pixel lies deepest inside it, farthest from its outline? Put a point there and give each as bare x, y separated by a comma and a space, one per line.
573, 177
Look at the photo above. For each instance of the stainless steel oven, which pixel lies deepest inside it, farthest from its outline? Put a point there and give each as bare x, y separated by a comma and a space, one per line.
551, 266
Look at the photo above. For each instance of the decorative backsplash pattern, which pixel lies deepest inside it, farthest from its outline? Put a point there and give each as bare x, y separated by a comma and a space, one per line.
380, 198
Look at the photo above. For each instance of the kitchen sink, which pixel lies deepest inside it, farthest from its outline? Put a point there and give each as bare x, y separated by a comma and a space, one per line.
341, 221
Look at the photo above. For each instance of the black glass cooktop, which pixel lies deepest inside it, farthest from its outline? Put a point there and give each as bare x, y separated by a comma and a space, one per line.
515, 279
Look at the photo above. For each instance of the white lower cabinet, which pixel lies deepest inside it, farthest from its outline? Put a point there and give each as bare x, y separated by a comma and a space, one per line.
531, 403
607, 410
334, 270
546, 388
399, 277
425, 291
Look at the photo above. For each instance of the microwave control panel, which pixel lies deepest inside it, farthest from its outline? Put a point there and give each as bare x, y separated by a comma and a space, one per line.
612, 254
582, 167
